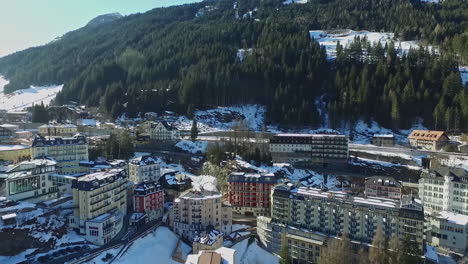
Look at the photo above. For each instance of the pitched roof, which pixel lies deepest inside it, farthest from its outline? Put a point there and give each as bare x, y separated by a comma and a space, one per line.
427, 135
209, 258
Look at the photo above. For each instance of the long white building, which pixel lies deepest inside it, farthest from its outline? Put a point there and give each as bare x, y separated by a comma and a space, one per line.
444, 189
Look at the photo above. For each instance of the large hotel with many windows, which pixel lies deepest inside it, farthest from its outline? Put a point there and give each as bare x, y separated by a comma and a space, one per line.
101, 204
317, 214
68, 152
309, 149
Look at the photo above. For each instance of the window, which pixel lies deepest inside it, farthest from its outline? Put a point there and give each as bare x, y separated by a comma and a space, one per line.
94, 232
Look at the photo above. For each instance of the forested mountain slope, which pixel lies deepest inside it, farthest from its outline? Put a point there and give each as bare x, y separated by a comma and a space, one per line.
171, 58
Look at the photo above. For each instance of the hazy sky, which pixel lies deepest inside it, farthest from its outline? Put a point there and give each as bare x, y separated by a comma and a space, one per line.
28, 23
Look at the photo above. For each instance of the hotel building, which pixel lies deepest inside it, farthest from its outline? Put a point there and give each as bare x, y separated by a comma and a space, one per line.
309, 149
100, 205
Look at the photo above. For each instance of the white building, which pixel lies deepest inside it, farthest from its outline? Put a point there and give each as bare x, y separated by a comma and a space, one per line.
196, 211
144, 169
444, 189
448, 231
160, 130
30, 181
100, 205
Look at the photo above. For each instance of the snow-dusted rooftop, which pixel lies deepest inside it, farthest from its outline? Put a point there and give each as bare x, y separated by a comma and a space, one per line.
13, 147
454, 218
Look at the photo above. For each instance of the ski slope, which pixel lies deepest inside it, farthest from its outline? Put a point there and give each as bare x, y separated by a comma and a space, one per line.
21, 99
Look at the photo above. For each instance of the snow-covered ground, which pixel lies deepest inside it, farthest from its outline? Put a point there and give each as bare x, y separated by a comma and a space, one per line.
456, 161
192, 146
313, 179
24, 98
156, 247
345, 37
464, 74
241, 53
253, 254
224, 118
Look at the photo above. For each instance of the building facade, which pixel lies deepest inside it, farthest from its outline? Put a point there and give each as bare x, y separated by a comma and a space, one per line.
386, 187
428, 140
444, 189
250, 193
15, 153
194, 212
160, 130
100, 205
148, 201
7, 133
143, 169
68, 152
383, 140
31, 181
448, 231
338, 213
308, 149
58, 130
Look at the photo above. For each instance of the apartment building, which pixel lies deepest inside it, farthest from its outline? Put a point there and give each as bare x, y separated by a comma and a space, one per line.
148, 202
428, 140
309, 149
386, 187
304, 246
101, 205
143, 169
58, 130
250, 193
383, 140
68, 152
448, 231
338, 212
444, 189
31, 181
160, 130
196, 211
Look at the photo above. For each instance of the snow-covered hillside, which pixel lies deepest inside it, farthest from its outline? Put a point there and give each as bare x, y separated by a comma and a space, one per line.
223, 118
345, 37
24, 98
192, 146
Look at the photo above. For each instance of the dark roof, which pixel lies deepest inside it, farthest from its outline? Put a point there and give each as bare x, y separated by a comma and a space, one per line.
458, 174
253, 178
411, 214
383, 180
96, 180
146, 188
40, 141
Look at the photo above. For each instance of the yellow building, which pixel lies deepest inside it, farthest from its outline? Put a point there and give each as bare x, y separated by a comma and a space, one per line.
59, 130
15, 153
101, 205
68, 152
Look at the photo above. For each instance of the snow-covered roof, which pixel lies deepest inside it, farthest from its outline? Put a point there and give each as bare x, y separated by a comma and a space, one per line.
143, 161
226, 256
454, 218
197, 195
8, 216
384, 135
208, 238
308, 135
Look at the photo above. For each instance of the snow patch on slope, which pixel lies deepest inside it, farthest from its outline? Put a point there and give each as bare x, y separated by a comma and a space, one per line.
223, 118
192, 146
346, 37
21, 99
253, 253
464, 75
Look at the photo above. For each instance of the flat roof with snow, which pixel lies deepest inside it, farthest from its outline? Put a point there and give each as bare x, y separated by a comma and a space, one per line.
454, 218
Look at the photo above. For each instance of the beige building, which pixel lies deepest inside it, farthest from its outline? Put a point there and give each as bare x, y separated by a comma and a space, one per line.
444, 189
30, 181
144, 169
448, 231
309, 149
160, 130
15, 153
58, 130
222, 255
428, 140
197, 211
68, 152
383, 140
386, 187
209, 240
338, 213
100, 205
